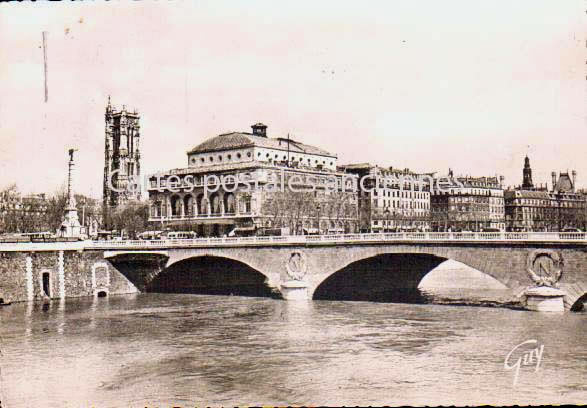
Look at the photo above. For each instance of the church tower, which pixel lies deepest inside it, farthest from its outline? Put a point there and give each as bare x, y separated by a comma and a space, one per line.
122, 157
527, 174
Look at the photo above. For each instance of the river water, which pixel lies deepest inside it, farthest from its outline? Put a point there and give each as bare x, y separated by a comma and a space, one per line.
170, 349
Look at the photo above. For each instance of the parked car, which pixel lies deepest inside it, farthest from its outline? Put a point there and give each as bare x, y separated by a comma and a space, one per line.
150, 235
571, 230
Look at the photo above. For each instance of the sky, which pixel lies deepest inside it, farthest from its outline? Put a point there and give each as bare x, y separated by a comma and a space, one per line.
426, 85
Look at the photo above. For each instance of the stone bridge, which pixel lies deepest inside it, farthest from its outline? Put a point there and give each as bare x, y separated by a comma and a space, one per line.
316, 267
356, 266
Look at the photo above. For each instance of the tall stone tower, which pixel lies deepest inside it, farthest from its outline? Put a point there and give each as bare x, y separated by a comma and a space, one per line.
122, 158
527, 174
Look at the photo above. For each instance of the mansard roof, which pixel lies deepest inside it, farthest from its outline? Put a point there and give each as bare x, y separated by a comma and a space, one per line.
238, 140
533, 194
564, 183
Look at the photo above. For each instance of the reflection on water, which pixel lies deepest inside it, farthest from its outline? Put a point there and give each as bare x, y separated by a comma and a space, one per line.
165, 349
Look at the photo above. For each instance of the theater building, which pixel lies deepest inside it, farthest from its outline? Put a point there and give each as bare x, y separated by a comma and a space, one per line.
239, 182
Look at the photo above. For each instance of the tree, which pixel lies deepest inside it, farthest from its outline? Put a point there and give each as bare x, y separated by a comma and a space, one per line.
9, 196
132, 217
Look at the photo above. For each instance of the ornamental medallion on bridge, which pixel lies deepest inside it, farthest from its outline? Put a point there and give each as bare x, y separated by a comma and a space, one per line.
545, 267
296, 266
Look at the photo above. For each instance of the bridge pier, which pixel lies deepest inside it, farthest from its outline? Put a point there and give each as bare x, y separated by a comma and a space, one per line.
544, 299
295, 290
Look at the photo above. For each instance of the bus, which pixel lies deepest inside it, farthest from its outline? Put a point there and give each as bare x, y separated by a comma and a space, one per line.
39, 236
181, 235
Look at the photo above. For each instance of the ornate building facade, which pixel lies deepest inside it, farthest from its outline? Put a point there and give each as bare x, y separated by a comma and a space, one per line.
467, 203
530, 208
242, 182
122, 157
391, 199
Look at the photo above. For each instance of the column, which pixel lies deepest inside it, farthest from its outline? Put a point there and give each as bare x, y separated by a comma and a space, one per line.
222, 209
61, 272
29, 279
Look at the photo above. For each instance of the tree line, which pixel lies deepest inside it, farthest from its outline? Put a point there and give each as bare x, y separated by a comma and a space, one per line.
21, 213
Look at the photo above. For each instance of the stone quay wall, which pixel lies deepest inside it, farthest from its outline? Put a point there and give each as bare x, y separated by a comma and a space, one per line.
58, 273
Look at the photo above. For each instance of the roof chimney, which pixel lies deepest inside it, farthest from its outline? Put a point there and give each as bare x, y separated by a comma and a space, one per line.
259, 129
553, 174
574, 173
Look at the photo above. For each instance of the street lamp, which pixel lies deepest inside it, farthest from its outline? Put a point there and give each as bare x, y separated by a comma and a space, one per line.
318, 208
386, 212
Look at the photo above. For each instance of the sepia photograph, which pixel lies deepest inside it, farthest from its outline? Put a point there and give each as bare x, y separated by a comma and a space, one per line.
293, 203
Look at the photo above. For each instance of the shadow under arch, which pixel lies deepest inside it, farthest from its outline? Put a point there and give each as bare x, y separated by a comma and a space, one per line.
387, 277
579, 304
212, 275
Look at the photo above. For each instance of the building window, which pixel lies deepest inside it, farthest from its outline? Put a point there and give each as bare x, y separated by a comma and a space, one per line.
211, 158
219, 158
248, 154
229, 157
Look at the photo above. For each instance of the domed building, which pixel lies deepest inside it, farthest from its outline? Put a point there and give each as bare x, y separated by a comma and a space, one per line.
238, 183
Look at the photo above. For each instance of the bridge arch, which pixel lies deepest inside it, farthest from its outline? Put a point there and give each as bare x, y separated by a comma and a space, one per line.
209, 273
399, 268
576, 303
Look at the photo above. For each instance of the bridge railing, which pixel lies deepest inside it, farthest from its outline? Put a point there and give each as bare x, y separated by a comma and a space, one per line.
378, 237
309, 239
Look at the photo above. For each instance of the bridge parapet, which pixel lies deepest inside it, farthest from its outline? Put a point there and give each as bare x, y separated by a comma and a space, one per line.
412, 237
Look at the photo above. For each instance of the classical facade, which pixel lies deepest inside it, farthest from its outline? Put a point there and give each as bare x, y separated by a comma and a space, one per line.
122, 157
391, 199
536, 208
240, 182
465, 203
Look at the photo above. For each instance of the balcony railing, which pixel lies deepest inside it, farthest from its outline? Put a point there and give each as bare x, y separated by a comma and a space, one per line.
199, 216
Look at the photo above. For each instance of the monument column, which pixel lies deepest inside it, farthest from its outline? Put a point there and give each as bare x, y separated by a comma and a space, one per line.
70, 227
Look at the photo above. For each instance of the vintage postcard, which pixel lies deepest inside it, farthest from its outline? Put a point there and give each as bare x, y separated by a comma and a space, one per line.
293, 203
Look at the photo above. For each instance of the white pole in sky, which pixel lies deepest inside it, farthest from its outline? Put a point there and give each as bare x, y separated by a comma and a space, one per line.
45, 64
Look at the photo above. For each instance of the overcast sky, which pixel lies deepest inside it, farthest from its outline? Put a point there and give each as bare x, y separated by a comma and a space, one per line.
421, 84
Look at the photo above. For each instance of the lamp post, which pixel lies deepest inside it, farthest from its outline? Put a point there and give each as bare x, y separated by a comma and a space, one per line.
318, 208
386, 212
